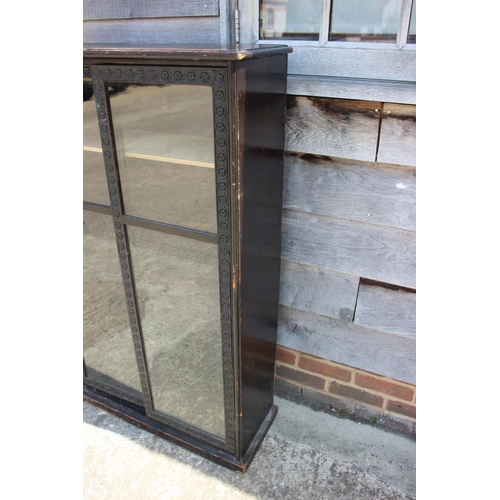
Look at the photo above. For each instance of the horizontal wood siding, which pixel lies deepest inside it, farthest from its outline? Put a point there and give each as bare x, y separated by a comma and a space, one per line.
379, 253
369, 63
332, 127
342, 88
318, 290
348, 233
398, 134
357, 191
385, 309
342, 341
172, 30
135, 9
354, 130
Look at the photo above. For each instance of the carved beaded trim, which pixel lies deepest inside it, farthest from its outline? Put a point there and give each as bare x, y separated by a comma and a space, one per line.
217, 78
116, 202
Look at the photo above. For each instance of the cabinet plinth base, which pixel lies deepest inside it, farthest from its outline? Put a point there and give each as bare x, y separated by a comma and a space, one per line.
136, 416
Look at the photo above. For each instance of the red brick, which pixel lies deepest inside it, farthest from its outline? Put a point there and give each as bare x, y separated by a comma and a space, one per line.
284, 356
298, 377
318, 398
283, 388
384, 386
402, 408
356, 394
321, 368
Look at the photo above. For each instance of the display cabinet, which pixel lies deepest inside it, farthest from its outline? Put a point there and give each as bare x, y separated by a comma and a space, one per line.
183, 181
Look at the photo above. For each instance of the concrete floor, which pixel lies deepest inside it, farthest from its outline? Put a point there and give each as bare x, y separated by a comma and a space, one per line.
305, 455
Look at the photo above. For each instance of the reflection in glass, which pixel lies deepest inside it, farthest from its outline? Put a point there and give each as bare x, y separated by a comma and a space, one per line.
177, 284
95, 188
365, 20
289, 20
165, 146
107, 341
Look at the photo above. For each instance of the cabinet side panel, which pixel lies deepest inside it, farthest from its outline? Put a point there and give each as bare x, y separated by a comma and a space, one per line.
261, 91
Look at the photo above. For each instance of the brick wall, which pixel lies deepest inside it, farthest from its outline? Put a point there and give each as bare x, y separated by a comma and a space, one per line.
345, 390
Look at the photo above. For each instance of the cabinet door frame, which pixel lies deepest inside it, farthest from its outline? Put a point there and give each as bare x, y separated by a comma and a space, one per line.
218, 78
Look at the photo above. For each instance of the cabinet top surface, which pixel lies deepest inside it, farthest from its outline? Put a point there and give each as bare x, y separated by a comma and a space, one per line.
185, 51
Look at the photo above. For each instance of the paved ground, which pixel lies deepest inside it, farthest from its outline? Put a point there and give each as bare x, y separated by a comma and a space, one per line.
305, 455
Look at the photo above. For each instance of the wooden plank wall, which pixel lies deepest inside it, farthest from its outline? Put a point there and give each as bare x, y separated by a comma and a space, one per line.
136, 9
349, 249
164, 21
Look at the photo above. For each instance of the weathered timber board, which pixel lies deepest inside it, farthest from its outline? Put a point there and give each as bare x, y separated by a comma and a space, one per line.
135, 9
383, 64
332, 127
318, 290
375, 252
387, 310
378, 352
345, 88
194, 29
398, 135
365, 192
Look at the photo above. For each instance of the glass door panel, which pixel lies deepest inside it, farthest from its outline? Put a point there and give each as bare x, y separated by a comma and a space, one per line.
95, 187
165, 146
107, 341
177, 284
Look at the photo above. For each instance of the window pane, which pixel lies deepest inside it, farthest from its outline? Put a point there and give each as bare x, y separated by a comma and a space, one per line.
177, 282
165, 145
290, 19
107, 340
365, 20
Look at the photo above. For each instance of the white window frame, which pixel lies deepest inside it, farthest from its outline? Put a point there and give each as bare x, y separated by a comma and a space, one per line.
352, 70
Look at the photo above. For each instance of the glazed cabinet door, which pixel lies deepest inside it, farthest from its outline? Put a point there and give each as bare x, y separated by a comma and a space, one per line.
158, 258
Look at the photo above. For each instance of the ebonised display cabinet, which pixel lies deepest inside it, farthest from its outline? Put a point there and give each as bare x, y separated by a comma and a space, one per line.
183, 180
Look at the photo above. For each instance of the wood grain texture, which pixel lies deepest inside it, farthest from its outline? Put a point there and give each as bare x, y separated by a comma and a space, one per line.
135, 9
355, 89
365, 192
354, 61
332, 127
318, 290
194, 29
387, 310
375, 252
381, 353
398, 135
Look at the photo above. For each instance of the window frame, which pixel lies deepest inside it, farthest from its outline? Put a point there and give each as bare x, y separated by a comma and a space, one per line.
354, 70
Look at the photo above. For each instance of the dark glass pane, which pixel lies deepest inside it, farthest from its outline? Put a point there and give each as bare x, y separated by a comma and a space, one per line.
290, 20
177, 283
165, 146
107, 341
365, 20
95, 188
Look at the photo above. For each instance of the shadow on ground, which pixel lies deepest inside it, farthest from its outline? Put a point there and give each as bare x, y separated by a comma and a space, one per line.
305, 455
